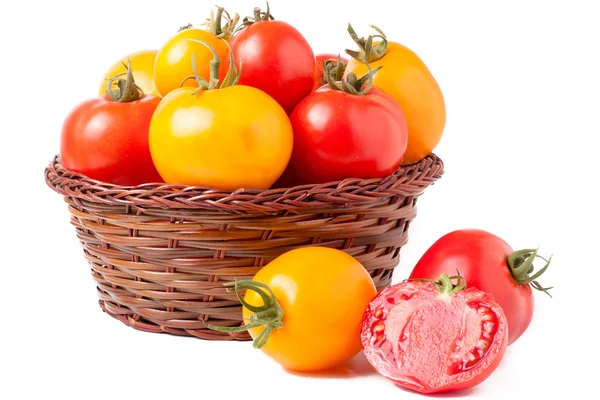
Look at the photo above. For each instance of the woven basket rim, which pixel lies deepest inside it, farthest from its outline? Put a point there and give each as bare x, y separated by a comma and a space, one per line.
407, 180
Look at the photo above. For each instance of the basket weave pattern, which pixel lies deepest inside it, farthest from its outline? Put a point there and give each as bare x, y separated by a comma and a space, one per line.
161, 253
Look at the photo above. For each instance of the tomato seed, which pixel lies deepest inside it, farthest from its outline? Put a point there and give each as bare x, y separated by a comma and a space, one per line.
380, 327
378, 313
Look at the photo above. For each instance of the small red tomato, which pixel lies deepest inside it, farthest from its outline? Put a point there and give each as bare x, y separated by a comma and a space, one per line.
434, 337
320, 61
106, 138
346, 131
488, 263
276, 59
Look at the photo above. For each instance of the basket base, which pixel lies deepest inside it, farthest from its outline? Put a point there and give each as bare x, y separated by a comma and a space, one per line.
138, 324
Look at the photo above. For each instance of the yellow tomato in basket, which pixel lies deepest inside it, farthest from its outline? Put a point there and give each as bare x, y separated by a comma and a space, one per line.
304, 309
406, 78
142, 66
174, 59
220, 135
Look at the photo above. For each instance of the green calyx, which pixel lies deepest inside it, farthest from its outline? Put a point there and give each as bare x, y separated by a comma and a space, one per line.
269, 315
215, 23
333, 73
520, 264
259, 15
127, 90
368, 52
231, 79
445, 285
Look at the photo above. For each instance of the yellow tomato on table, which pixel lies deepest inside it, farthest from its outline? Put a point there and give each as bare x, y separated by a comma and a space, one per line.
225, 137
309, 313
142, 66
406, 78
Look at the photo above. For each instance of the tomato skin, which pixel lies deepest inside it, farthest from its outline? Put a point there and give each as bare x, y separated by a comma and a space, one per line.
324, 293
338, 135
276, 59
320, 59
213, 139
142, 66
481, 258
174, 59
108, 140
423, 340
407, 79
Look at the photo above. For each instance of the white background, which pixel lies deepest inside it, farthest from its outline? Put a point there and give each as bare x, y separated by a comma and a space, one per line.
521, 82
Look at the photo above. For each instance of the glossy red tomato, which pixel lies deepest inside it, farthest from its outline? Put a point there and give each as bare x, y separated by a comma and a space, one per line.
107, 139
276, 59
320, 59
434, 337
485, 261
339, 135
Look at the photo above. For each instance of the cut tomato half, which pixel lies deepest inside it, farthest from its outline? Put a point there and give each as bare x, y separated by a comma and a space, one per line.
434, 336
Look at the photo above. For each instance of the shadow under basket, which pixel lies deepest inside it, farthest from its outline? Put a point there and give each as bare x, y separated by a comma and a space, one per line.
161, 253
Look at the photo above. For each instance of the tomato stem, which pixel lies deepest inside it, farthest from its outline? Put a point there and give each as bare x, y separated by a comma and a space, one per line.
259, 15
333, 75
445, 284
520, 264
127, 91
215, 23
231, 79
368, 52
269, 315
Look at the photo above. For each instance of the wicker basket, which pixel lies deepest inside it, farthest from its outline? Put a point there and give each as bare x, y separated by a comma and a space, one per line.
160, 253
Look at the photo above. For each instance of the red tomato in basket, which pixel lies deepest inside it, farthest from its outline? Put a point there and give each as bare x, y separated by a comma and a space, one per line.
483, 260
320, 59
339, 135
107, 140
276, 59
434, 337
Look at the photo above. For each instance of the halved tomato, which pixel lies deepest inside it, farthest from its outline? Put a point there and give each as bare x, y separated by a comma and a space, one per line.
434, 337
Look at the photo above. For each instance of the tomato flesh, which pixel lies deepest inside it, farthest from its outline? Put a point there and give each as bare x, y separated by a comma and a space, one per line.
431, 342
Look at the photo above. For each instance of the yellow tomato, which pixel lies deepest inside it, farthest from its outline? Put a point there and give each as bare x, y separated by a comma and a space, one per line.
174, 60
142, 65
229, 138
406, 78
323, 293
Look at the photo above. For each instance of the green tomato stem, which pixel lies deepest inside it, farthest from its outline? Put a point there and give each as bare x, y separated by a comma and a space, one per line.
231, 79
520, 264
216, 27
127, 91
269, 315
445, 285
368, 52
333, 75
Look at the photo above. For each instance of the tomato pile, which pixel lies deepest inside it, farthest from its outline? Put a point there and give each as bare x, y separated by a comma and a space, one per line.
246, 103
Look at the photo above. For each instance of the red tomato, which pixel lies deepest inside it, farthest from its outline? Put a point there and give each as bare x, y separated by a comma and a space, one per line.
276, 59
483, 260
107, 140
320, 59
434, 337
339, 135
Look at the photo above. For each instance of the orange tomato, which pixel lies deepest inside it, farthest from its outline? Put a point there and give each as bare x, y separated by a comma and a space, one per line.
220, 135
142, 65
323, 294
406, 78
